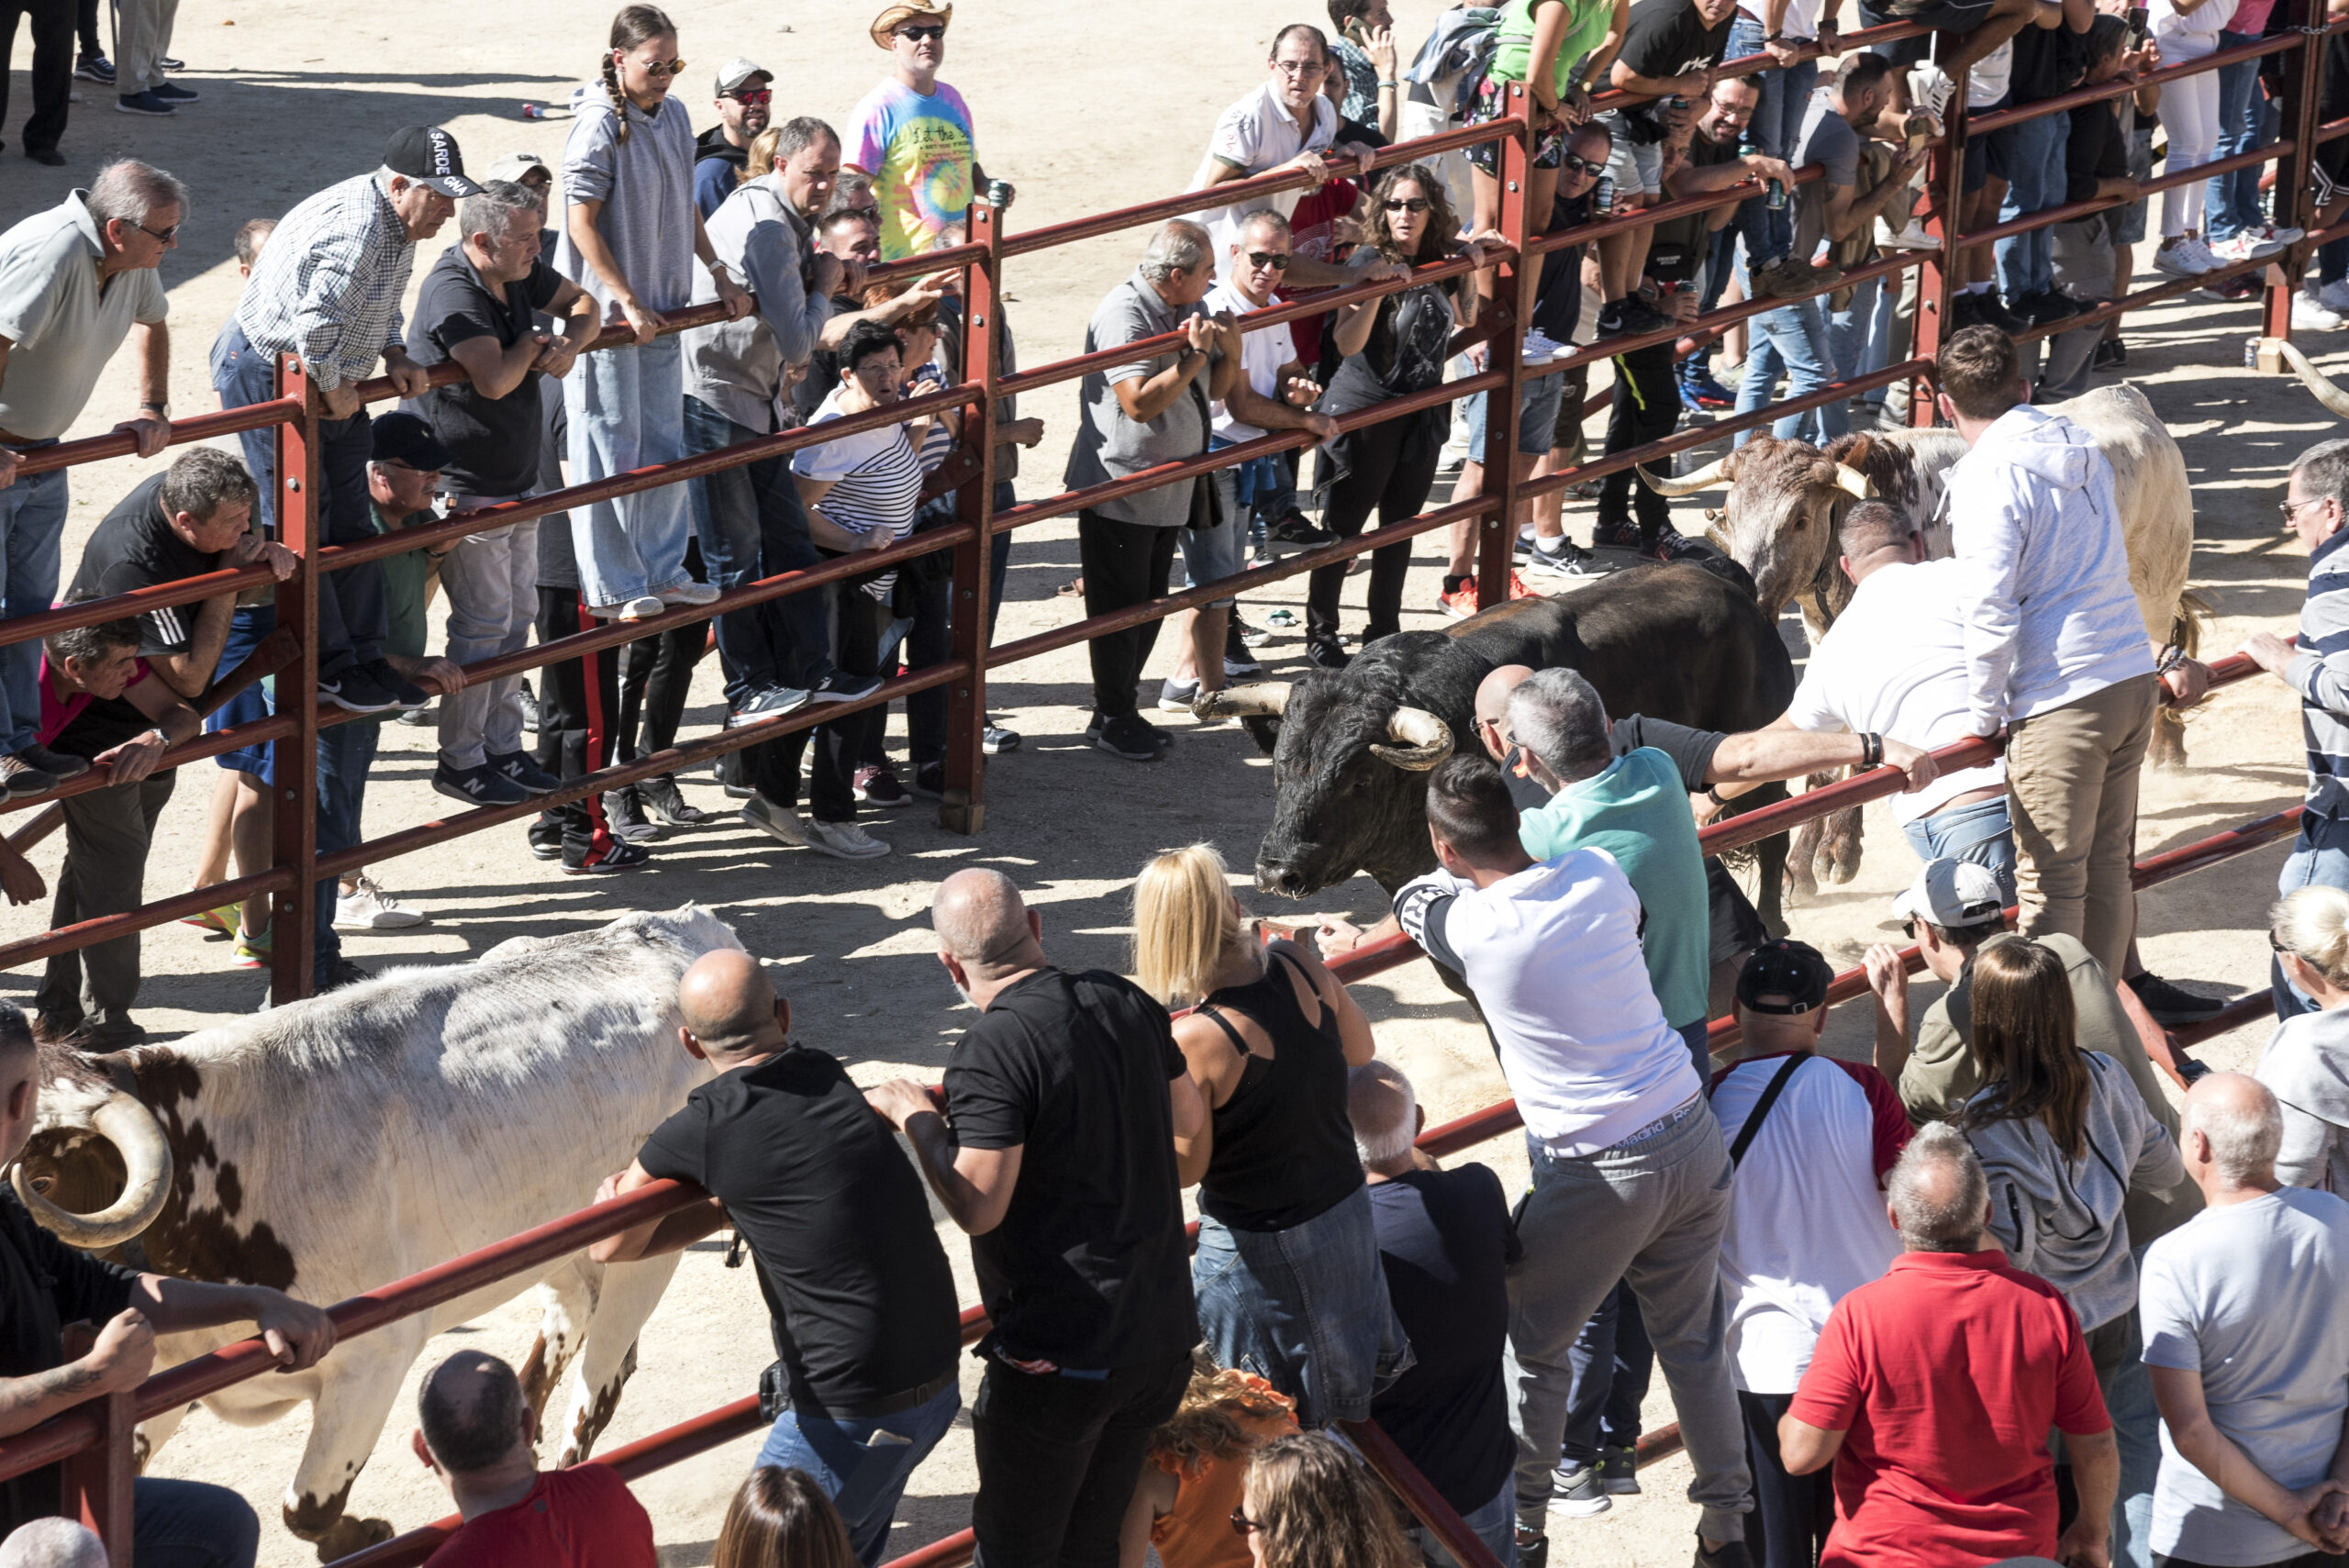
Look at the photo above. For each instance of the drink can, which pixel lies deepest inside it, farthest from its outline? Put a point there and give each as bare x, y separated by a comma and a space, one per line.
998, 194
1777, 200
532, 112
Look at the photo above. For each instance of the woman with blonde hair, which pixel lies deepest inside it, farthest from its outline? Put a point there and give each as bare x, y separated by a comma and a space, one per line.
1286, 1272
2307, 1061
782, 1518
1198, 1469
1309, 1502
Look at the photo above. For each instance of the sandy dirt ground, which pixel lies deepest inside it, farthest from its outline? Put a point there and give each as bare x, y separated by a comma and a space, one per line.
301, 92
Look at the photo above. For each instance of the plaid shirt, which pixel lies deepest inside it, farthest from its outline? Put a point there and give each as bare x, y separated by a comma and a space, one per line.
327, 286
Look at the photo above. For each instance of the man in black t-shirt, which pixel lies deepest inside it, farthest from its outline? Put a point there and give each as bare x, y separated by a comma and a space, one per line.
1445, 1242
1670, 51
856, 1285
479, 306
1065, 1098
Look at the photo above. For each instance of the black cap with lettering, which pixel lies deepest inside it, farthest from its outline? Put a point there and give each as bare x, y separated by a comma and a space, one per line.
429, 155
1794, 971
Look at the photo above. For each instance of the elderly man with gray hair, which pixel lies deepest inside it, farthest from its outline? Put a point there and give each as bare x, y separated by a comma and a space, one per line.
74, 281
1152, 409
2249, 1347
1932, 1390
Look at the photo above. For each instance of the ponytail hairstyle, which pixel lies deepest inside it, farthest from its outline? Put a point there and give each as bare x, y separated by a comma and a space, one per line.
2024, 1038
631, 27
2312, 924
1184, 921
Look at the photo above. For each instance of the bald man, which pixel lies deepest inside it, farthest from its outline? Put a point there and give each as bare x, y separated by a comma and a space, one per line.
1064, 1099
1445, 1242
856, 1284
2249, 1349
475, 1430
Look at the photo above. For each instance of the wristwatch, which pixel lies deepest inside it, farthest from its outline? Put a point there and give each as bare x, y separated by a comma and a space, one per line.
161, 410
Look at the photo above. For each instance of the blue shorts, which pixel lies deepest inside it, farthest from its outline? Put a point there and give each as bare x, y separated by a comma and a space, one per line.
246, 628
1537, 415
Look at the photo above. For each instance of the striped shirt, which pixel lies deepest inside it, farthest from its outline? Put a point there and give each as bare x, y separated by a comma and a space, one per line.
327, 286
2321, 675
876, 481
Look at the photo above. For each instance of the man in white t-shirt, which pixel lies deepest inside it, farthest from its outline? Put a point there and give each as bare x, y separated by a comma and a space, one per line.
1629, 1177
1813, 1138
2249, 1346
1275, 392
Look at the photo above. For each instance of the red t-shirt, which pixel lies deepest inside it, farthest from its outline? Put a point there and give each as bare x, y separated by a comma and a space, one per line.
581, 1518
1944, 1377
57, 712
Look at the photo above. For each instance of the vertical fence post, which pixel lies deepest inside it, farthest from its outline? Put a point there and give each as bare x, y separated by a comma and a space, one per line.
293, 787
98, 1479
2294, 206
1513, 284
964, 808
1938, 271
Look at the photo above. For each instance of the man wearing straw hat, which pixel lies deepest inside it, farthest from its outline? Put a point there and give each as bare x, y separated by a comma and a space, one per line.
911, 135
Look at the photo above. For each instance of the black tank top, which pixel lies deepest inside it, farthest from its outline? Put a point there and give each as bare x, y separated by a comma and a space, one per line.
1283, 1148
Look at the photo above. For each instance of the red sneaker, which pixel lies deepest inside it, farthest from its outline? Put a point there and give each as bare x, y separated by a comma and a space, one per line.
1460, 603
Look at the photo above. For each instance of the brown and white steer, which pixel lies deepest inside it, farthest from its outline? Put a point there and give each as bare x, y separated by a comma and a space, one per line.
1787, 499
340, 1143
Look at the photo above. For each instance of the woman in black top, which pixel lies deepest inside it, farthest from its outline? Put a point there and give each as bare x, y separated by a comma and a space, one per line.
1287, 1275
1393, 345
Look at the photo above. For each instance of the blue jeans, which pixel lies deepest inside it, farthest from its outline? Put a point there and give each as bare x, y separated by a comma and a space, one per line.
2034, 154
243, 376
1304, 1308
862, 1464
2231, 204
1982, 832
1492, 1524
1613, 1364
187, 1524
1775, 127
345, 753
2118, 1350
2319, 857
1861, 333
627, 410
1793, 337
32, 522
751, 524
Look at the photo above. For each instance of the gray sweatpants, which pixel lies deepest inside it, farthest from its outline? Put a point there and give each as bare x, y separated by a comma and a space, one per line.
1648, 1212
491, 580
107, 832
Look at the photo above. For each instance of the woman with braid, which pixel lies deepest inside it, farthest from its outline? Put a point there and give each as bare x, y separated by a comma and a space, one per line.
630, 236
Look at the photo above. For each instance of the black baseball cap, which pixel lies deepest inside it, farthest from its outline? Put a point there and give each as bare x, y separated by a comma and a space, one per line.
404, 438
1794, 970
427, 154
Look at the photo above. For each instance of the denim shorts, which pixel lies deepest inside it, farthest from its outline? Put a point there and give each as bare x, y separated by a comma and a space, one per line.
1210, 555
250, 623
1981, 151
1983, 832
1490, 99
1304, 1308
1537, 415
1634, 166
2129, 222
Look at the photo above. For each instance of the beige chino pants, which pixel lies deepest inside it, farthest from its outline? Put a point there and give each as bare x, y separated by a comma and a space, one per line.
142, 38
2072, 790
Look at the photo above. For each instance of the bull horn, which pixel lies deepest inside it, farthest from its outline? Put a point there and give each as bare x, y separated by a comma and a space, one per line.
2331, 396
1852, 480
1705, 478
1264, 699
131, 1128
1420, 740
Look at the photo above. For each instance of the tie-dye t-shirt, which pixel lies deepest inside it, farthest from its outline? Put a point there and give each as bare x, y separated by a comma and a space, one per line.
920, 153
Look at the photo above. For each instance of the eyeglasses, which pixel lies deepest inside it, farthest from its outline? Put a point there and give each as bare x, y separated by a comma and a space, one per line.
1241, 1525
1302, 67
2275, 945
658, 69
2289, 507
927, 31
160, 236
1409, 203
752, 95
1573, 164
1276, 260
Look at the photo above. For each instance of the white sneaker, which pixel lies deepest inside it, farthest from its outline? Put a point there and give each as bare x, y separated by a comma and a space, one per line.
2285, 236
2204, 255
1931, 89
2178, 261
2248, 246
369, 908
1913, 238
2311, 315
1178, 697
2334, 295
689, 593
1540, 348
643, 607
777, 822
843, 841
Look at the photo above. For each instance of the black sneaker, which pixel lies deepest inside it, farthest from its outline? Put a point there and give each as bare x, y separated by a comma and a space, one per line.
1620, 533
56, 764
930, 780
335, 975
2044, 308
529, 710
1728, 1554
1993, 312
351, 690
405, 695
1127, 736
1532, 1549
1295, 530
2168, 1005
544, 846
620, 856
1325, 654
994, 741
1670, 544
172, 92
95, 68
770, 702
47, 157
660, 796
1965, 311
1628, 317
141, 104
624, 816
2112, 354
1239, 665
476, 785
839, 686
1569, 561
518, 769
878, 784
1618, 1471
1576, 1491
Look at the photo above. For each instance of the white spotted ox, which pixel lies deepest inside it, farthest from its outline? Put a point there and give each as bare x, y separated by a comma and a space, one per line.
1785, 500
341, 1143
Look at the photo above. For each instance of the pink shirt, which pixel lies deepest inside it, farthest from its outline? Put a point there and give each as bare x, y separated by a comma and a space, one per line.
57, 712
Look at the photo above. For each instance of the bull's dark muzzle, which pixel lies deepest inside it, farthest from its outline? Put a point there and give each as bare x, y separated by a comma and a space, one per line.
1281, 876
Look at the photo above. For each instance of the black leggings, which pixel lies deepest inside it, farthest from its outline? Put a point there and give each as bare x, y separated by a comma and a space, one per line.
1382, 478
656, 677
1647, 406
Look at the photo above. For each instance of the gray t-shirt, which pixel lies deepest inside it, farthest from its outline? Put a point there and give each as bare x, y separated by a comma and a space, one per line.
1827, 139
62, 324
2307, 1067
2249, 1295
1109, 445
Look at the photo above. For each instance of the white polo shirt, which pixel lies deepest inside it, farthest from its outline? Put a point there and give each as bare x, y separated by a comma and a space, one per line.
1894, 663
62, 324
1261, 354
1253, 135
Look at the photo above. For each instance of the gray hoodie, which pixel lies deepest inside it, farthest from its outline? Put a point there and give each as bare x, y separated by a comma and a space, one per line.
646, 184
2059, 1217
2306, 1066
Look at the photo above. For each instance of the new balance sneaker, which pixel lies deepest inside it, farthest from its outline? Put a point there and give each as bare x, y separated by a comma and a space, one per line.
2309, 316
1576, 1491
843, 841
1618, 1471
840, 686
667, 803
2169, 1005
616, 855
777, 822
1569, 561
476, 785
367, 907
517, 769
877, 784
768, 702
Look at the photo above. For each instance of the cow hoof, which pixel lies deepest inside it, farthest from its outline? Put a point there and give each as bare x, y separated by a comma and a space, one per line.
348, 1535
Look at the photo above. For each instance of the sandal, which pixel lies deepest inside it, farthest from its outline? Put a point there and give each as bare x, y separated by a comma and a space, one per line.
1071, 589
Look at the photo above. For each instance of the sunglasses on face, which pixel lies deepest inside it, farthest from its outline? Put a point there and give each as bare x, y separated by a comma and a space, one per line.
1574, 166
1409, 203
160, 236
1241, 1525
1276, 260
927, 31
659, 69
2275, 946
752, 95
2288, 508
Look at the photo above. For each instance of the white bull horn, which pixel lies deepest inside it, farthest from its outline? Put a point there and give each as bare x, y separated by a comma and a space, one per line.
1705, 478
1419, 740
131, 1128
1264, 699
1848, 478
2331, 396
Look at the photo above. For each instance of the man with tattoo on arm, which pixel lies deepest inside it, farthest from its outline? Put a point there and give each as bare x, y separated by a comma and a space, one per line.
52, 1358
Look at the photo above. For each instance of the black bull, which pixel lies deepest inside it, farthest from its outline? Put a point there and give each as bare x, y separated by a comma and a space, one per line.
1672, 642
